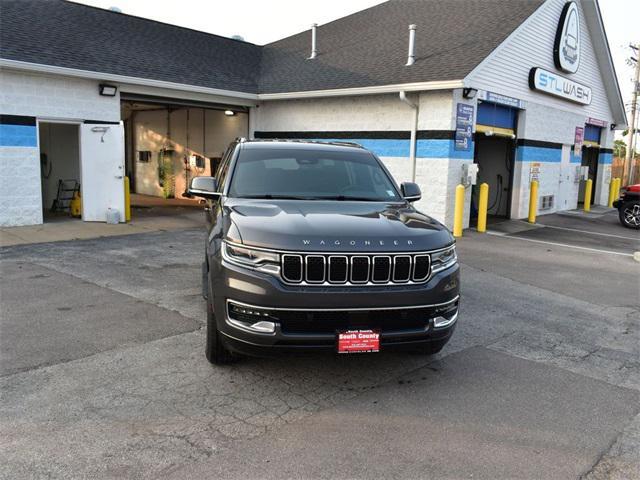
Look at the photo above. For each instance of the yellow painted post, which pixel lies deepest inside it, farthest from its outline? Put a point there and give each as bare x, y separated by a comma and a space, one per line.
127, 200
533, 201
459, 210
483, 203
612, 191
587, 195
616, 191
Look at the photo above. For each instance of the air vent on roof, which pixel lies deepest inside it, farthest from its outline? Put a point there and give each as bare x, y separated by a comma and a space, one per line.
314, 50
412, 45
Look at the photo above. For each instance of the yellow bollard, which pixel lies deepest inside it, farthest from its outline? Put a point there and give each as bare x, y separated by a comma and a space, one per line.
533, 201
612, 191
483, 203
616, 190
127, 200
459, 210
587, 195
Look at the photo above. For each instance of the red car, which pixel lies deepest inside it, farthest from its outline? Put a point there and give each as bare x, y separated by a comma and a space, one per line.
628, 206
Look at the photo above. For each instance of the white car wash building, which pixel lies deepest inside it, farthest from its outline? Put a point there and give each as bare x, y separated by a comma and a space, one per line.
525, 89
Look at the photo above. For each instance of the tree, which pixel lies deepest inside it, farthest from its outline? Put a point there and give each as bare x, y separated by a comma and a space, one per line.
619, 149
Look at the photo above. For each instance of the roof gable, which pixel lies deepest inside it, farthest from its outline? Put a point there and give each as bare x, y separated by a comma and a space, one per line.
531, 45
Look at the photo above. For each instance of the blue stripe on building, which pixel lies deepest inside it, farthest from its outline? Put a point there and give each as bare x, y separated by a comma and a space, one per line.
18, 135
575, 158
605, 158
425, 148
528, 153
432, 148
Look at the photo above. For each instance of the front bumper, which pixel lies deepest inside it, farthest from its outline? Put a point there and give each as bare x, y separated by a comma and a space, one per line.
330, 309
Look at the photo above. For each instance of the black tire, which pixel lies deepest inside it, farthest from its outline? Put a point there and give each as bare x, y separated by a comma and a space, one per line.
629, 214
216, 352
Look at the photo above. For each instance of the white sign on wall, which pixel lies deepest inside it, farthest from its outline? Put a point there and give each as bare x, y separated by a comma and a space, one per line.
566, 49
559, 86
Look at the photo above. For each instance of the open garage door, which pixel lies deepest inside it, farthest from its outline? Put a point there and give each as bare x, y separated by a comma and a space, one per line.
102, 166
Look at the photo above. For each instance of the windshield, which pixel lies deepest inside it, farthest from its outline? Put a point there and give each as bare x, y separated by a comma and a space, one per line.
311, 175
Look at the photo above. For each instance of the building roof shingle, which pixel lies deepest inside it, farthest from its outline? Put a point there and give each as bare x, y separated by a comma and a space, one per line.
368, 48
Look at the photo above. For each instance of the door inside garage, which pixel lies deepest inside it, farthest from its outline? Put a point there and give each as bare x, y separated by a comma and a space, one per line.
590, 156
168, 142
59, 168
494, 154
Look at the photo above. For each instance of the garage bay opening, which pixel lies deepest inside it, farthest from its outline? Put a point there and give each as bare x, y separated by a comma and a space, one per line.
494, 153
170, 141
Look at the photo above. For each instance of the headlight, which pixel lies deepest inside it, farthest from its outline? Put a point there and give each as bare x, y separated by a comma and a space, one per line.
248, 257
444, 259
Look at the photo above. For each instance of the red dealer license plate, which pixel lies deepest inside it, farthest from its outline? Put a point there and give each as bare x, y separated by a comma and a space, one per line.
359, 341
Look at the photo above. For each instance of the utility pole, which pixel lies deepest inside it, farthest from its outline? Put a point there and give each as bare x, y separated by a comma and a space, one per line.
634, 111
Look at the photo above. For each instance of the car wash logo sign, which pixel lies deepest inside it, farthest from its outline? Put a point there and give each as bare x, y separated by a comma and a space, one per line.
566, 49
566, 56
559, 86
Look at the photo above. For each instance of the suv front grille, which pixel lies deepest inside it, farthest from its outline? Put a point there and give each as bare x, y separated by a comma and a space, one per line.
355, 269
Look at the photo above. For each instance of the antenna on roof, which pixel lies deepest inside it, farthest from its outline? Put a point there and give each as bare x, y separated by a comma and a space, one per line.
314, 50
412, 46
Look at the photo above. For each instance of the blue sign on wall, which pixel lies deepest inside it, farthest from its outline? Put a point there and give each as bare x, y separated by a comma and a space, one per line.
464, 127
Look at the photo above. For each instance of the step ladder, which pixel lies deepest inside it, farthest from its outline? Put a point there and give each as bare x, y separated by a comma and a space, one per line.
66, 191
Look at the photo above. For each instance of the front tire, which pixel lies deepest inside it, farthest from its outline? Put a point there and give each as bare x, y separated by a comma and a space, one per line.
630, 215
217, 353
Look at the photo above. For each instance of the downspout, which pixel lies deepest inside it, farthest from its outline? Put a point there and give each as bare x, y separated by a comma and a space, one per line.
414, 130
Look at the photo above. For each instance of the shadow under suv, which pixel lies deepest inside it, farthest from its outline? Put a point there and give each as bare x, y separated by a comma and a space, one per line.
312, 246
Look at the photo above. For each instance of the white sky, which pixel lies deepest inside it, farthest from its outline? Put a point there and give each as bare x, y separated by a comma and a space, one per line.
263, 21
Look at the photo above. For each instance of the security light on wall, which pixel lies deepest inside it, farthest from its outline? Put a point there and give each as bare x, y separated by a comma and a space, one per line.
229, 113
108, 90
469, 93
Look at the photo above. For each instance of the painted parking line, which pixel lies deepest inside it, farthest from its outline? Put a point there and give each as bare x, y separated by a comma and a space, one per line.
590, 232
596, 250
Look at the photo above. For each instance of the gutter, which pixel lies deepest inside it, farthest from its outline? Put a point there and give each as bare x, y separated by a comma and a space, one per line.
414, 128
123, 79
145, 82
341, 92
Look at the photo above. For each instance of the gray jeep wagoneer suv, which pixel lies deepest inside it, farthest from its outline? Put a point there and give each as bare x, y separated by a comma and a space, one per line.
312, 246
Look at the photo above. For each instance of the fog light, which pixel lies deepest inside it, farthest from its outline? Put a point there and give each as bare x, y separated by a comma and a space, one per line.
249, 318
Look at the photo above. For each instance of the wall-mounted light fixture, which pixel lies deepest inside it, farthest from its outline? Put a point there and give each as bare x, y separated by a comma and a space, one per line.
613, 127
229, 113
108, 90
469, 93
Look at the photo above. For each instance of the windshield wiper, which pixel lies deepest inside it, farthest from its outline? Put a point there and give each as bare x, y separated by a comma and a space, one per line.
274, 197
343, 198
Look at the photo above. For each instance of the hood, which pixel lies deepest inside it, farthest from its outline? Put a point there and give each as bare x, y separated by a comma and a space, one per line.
333, 226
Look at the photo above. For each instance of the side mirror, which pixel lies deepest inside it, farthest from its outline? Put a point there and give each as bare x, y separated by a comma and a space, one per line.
411, 191
205, 187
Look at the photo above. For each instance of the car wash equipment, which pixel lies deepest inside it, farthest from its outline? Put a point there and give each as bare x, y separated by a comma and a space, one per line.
66, 191
75, 206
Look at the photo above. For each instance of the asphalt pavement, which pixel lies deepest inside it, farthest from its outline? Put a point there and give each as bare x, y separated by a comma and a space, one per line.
104, 375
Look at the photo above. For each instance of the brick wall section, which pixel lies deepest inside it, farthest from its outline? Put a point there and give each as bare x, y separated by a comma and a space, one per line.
47, 98
20, 190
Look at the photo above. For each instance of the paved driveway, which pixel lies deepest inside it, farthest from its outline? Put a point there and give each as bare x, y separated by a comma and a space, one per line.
103, 372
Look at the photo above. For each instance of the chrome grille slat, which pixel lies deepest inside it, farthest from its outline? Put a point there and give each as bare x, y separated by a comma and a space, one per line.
315, 264
399, 266
336, 263
355, 269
